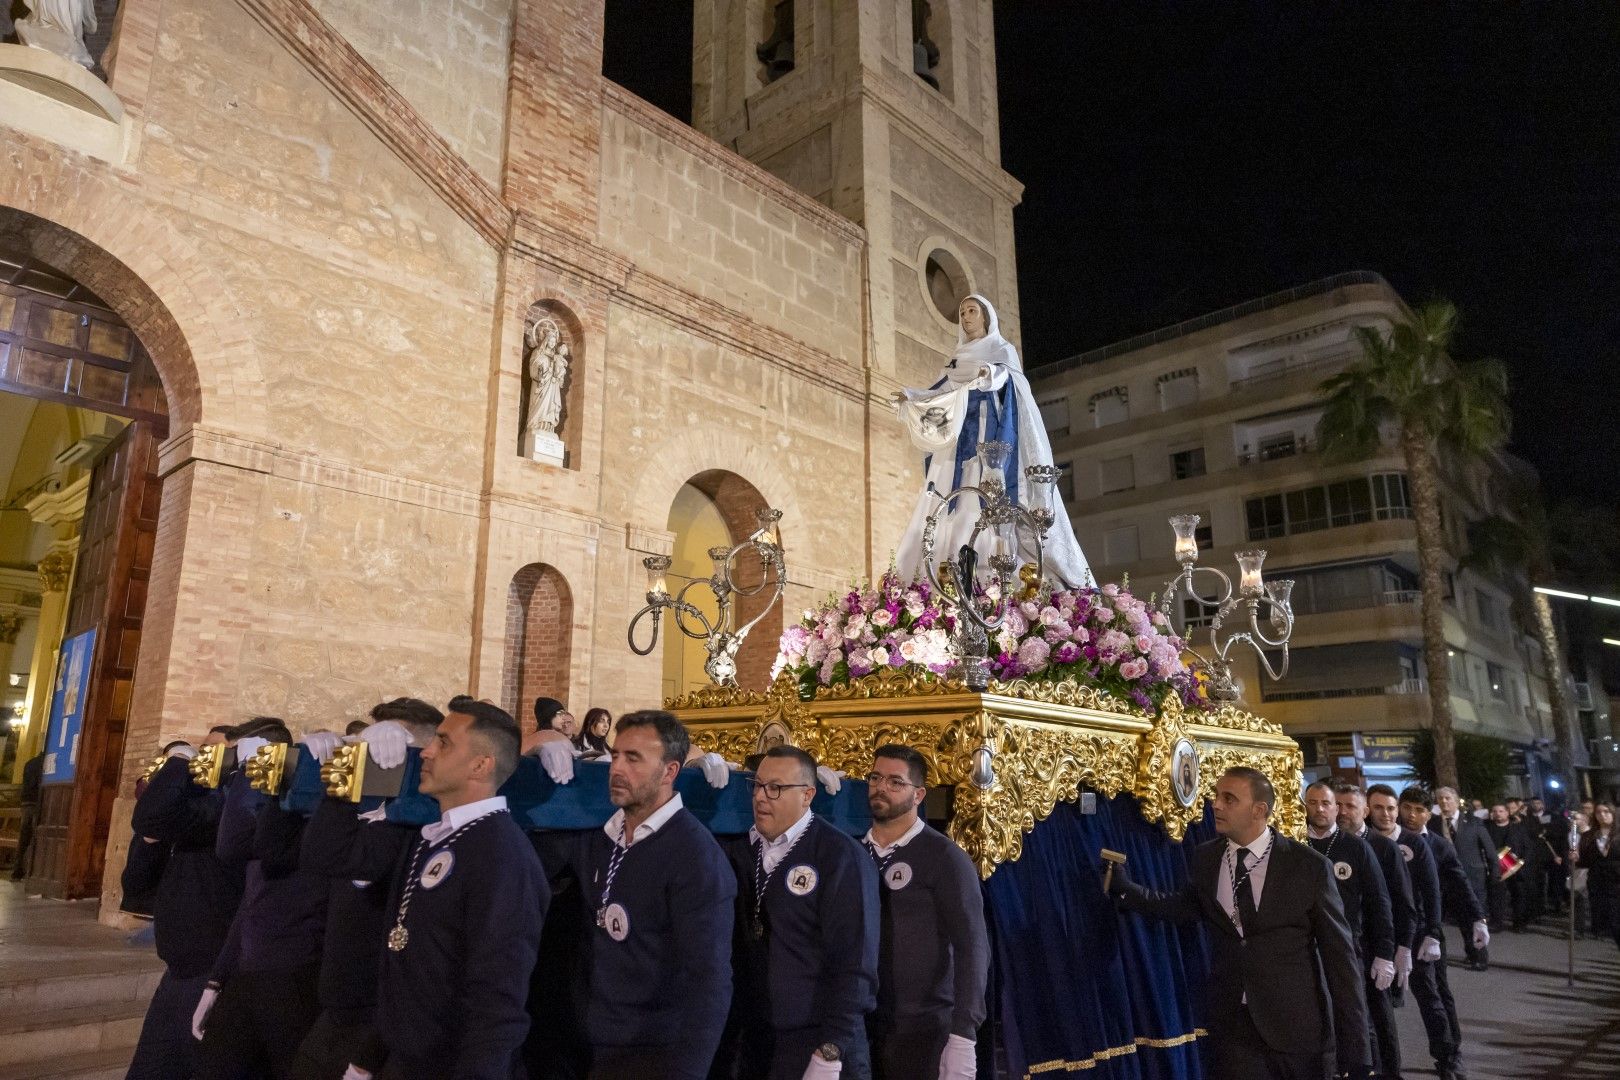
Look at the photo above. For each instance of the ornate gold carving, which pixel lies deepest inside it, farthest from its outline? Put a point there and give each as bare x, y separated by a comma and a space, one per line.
153, 766
345, 772
1009, 762
54, 571
209, 764
265, 768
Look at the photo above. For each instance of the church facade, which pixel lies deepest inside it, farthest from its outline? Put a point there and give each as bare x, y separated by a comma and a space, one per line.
453, 332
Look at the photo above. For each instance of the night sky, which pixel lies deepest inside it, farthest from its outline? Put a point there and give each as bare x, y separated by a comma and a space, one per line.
1182, 157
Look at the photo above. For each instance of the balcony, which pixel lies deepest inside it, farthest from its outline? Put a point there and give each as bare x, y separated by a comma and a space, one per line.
1404, 688
1282, 369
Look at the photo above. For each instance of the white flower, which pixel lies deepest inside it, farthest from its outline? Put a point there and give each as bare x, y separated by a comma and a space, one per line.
882, 617
1051, 616
880, 657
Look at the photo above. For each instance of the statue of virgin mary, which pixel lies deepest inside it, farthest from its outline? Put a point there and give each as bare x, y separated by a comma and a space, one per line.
981, 395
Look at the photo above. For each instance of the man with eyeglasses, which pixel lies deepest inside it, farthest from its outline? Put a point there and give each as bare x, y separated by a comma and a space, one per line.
805, 947
934, 952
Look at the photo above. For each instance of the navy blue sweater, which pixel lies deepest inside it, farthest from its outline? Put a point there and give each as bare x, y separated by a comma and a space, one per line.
361, 876
1453, 878
1363, 892
280, 924
1425, 886
198, 894
817, 965
1402, 909
668, 982
450, 1005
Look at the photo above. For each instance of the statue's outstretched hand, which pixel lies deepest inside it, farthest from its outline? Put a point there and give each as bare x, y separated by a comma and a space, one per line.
897, 398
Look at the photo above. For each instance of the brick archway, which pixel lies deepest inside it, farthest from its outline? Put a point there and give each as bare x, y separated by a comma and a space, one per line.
739, 503
539, 632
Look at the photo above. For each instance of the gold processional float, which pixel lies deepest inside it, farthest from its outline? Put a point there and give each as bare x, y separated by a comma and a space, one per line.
1007, 750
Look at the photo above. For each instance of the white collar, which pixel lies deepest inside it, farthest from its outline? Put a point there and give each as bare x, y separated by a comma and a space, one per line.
911, 834
655, 821
789, 837
1325, 836
457, 816
1258, 847
1394, 834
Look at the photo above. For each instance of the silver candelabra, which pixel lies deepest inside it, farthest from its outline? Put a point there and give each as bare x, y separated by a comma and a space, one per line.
1007, 522
1244, 601
721, 637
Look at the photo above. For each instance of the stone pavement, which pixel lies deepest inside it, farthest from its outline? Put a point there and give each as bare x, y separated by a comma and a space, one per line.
1521, 1020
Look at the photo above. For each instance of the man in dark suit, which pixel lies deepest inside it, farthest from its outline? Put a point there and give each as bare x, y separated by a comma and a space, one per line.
1284, 979
1479, 863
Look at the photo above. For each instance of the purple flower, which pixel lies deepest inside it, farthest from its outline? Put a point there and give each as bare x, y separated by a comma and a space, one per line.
1067, 653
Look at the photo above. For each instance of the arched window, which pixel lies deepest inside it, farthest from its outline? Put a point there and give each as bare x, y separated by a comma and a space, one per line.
539, 632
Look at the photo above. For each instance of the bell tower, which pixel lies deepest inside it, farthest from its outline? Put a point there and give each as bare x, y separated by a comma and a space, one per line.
884, 110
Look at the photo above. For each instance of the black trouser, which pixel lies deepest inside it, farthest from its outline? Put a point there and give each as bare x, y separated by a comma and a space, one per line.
636, 1063
1386, 1040
1242, 1054
1433, 995
338, 1039
1604, 900
166, 1048
1474, 956
1519, 887
909, 1054
257, 1024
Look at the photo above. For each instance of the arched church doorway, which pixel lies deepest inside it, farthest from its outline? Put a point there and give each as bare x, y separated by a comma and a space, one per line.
717, 509
539, 633
82, 412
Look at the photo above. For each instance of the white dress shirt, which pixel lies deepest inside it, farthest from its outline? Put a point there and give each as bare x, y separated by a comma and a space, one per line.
772, 852
1260, 848
655, 821
883, 852
457, 816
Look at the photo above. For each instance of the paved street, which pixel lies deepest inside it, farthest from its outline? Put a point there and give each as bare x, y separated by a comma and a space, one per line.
1521, 1020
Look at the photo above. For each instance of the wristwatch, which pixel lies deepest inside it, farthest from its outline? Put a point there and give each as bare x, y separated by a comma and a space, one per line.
827, 1052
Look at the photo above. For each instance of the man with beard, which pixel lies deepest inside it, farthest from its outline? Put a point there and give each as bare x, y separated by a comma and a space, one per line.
1361, 888
934, 951
1352, 806
659, 896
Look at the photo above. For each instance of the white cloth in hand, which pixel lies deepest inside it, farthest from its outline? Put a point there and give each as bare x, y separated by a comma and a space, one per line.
1428, 950
321, 744
1403, 964
822, 1069
185, 750
1382, 972
205, 1005
1482, 934
557, 758
246, 748
386, 742
831, 779
355, 1072
959, 1061
715, 770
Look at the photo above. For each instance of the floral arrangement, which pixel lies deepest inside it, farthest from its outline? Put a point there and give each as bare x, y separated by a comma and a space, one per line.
1103, 637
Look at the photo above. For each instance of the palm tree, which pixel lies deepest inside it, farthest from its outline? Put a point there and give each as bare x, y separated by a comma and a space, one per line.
1407, 387
1518, 548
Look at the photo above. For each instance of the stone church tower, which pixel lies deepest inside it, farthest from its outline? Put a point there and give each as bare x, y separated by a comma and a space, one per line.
886, 112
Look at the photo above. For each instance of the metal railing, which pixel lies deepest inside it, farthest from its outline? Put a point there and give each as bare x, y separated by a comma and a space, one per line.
1214, 318
1404, 688
1285, 370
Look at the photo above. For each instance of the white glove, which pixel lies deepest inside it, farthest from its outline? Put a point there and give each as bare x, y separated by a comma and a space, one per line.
246, 748
557, 758
184, 750
831, 779
715, 770
355, 1072
386, 741
822, 1069
205, 1005
321, 744
958, 1062
1428, 950
1383, 973
1403, 964
1482, 934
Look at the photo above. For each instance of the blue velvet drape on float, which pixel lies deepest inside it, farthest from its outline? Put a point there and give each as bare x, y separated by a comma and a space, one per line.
1081, 987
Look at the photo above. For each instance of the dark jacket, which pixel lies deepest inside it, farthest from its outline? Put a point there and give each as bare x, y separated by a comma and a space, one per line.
1295, 966
665, 979
817, 965
1362, 889
1474, 851
198, 894
1454, 884
281, 923
1602, 868
1425, 876
1398, 882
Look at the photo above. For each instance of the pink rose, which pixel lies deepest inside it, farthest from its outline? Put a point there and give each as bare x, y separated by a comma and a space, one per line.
1133, 669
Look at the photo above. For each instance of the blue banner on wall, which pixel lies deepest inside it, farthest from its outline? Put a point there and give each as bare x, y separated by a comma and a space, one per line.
68, 701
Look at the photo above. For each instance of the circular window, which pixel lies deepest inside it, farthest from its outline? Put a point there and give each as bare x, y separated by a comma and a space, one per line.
946, 282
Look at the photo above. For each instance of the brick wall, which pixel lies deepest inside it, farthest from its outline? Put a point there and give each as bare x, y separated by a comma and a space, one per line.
539, 625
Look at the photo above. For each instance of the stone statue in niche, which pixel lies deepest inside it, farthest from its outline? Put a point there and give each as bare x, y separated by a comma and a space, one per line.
545, 365
924, 53
59, 26
776, 51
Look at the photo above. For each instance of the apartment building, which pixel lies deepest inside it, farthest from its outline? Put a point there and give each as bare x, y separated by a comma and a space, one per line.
1217, 416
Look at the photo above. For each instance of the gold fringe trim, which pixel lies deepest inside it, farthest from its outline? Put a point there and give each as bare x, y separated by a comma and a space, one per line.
1112, 1052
